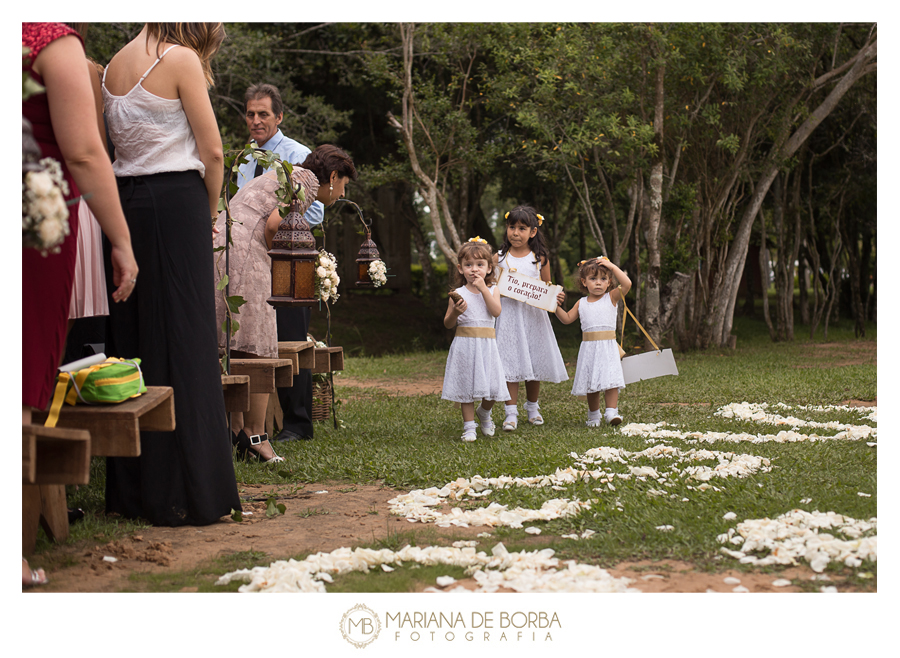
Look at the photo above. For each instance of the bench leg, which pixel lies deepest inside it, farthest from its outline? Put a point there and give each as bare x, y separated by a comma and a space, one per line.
54, 513
31, 515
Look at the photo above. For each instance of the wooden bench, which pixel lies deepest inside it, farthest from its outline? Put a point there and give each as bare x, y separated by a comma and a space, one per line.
265, 374
116, 428
300, 352
329, 359
236, 389
52, 457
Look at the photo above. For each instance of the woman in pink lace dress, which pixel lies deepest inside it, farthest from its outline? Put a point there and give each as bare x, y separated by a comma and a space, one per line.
257, 214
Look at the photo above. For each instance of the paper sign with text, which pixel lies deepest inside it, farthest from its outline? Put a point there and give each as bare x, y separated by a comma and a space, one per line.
525, 289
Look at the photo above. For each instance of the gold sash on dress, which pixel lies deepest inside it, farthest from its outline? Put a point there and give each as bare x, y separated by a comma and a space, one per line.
598, 335
476, 332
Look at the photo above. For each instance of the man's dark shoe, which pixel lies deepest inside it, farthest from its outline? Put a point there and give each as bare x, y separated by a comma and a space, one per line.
288, 435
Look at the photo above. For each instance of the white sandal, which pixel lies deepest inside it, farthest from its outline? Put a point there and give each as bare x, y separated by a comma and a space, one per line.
468, 436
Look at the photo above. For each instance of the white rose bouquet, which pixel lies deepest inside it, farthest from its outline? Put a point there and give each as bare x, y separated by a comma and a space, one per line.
327, 278
45, 217
378, 273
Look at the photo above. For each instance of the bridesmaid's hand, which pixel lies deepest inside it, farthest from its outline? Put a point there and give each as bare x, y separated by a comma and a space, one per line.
125, 271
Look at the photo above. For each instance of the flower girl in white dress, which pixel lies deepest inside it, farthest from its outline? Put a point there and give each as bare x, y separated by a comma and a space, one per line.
599, 363
474, 370
525, 338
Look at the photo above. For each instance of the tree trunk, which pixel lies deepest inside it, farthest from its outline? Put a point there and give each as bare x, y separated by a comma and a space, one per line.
721, 313
764, 264
651, 308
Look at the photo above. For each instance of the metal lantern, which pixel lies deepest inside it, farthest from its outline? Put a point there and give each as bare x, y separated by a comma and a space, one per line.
293, 255
368, 253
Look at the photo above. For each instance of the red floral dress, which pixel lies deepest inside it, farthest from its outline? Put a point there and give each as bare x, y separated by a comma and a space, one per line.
46, 281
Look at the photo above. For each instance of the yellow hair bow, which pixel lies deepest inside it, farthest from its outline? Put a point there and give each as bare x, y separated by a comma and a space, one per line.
478, 239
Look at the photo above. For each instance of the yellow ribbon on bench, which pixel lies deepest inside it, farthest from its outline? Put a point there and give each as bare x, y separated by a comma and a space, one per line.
476, 332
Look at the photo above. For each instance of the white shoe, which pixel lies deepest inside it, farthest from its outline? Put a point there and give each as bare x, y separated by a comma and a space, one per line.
511, 423
486, 423
612, 416
534, 416
593, 423
468, 436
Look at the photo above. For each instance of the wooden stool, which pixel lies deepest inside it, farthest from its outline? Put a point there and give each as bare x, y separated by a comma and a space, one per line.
265, 374
52, 457
329, 359
236, 389
116, 428
300, 352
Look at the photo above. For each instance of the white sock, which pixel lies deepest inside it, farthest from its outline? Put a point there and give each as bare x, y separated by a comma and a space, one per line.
532, 409
595, 415
482, 413
511, 410
469, 426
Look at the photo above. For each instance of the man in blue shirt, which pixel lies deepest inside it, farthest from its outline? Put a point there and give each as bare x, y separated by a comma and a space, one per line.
264, 111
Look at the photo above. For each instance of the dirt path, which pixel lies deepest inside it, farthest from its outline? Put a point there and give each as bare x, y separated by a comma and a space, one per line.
324, 517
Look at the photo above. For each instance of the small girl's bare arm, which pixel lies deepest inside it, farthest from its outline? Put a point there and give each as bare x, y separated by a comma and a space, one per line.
567, 317
621, 277
454, 310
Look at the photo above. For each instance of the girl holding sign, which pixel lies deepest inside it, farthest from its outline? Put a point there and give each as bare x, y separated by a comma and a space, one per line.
525, 338
473, 367
599, 361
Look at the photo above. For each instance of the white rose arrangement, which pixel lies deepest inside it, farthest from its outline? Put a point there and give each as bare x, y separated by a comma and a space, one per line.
378, 273
45, 217
327, 278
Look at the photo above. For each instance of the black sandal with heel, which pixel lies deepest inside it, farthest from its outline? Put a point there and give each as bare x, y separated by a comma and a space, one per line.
245, 447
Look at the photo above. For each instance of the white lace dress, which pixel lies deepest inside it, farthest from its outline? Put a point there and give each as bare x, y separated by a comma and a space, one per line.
474, 371
599, 366
525, 338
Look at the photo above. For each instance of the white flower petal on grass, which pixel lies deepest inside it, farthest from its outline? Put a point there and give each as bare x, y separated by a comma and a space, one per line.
729, 516
531, 530
804, 501
445, 581
322, 492
860, 493
665, 528
818, 538
781, 582
740, 589
730, 580
653, 576
828, 589
109, 558
385, 567
463, 544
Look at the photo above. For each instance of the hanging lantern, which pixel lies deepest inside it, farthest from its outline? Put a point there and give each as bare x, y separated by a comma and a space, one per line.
368, 253
293, 255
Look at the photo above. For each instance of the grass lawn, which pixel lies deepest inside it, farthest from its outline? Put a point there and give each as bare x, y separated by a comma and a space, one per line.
411, 443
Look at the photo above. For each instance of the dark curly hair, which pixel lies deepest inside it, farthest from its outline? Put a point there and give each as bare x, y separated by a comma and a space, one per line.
327, 158
591, 267
474, 251
528, 216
